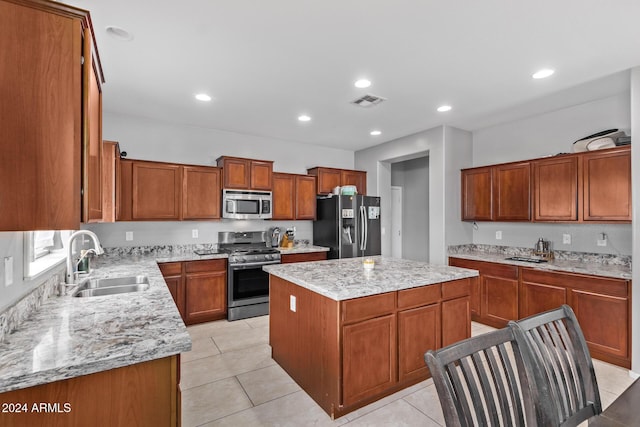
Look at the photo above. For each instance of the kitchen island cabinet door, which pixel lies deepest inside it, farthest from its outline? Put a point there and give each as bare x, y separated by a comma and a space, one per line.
283, 196
157, 191
607, 185
200, 192
555, 189
477, 194
305, 197
475, 284
369, 358
205, 291
456, 320
418, 331
172, 274
512, 192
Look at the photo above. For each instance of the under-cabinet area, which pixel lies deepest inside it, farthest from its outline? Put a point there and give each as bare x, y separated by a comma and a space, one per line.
602, 304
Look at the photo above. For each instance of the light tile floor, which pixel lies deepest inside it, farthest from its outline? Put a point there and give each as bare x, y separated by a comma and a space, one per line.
229, 379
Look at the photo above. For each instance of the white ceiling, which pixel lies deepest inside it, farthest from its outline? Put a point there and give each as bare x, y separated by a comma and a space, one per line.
266, 62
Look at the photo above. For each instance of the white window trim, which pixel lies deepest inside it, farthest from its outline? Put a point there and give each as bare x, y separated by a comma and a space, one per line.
44, 263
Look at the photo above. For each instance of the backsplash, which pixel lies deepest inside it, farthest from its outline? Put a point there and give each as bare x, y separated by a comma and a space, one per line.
508, 251
157, 250
11, 319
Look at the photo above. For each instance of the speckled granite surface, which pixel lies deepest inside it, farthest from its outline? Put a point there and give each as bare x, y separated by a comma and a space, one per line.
68, 337
605, 265
303, 250
341, 279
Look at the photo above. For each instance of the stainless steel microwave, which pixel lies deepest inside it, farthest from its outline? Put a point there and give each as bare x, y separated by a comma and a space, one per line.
246, 204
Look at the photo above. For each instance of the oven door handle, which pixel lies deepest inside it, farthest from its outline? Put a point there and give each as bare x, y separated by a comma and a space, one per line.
251, 264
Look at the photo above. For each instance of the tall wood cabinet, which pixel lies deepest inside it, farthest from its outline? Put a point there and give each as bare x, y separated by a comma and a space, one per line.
42, 104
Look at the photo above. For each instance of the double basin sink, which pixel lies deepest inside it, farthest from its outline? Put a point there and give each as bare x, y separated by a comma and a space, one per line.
111, 286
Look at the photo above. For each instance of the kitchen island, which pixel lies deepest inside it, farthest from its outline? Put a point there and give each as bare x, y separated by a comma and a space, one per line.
350, 336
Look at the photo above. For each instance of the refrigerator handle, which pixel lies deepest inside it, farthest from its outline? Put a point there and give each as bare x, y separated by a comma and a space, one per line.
362, 229
366, 228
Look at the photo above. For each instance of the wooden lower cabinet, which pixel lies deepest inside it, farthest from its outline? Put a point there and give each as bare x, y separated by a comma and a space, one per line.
347, 354
368, 358
302, 257
143, 394
199, 289
602, 306
494, 298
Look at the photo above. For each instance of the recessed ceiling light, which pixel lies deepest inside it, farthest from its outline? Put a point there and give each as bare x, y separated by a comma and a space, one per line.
304, 118
203, 97
375, 133
119, 33
544, 73
362, 83
444, 108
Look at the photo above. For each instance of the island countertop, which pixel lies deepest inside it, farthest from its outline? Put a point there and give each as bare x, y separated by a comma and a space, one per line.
341, 279
68, 336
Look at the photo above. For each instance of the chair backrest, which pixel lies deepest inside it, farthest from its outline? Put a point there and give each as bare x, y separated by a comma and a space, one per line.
566, 371
483, 381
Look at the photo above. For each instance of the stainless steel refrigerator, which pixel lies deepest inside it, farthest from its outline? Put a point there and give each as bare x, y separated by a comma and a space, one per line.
348, 225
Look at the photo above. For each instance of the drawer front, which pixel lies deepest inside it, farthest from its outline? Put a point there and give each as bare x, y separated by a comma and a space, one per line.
600, 285
357, 309
456, 288
310, 256
416, 297
170, 268
206, 265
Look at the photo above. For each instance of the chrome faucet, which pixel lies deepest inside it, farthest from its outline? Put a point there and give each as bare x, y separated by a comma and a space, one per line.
70, 264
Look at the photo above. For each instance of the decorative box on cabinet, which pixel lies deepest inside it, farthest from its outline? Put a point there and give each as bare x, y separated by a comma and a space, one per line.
42, 104
246, 174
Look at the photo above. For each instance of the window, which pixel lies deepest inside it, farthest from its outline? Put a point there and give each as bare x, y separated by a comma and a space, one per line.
43, 249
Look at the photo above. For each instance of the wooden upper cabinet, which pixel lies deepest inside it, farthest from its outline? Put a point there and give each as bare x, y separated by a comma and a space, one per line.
200, 192
91, 134
110, 172
555, 189
305, 197
357, 178
294, 196
477, 194
261, 175
512, 192
283, 196
329, 178
607, 185
246, 174
41, 110
156, 191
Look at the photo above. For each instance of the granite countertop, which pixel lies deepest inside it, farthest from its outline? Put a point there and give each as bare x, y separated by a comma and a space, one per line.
578, 265
302, 249
341, 279
68, 336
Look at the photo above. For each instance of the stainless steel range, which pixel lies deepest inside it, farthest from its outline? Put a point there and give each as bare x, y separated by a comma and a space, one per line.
247, 283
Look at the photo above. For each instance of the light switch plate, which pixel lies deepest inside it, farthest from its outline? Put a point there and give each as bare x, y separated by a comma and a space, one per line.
566, 239
292, 303
194, 233
498, 235
8, 271
128, 235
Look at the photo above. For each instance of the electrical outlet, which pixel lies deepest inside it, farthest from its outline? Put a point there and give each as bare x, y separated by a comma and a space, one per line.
128, 235
498, 235
292, 303
8, 271
602, 241
566, 239
194, 233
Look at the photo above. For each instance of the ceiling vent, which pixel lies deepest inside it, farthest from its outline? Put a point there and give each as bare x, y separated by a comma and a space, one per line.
368, 100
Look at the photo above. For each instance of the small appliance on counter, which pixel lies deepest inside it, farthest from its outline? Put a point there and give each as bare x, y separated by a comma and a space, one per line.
542, 249
273, 237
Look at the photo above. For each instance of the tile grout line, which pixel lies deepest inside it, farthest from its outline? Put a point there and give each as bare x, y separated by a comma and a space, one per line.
422, 412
